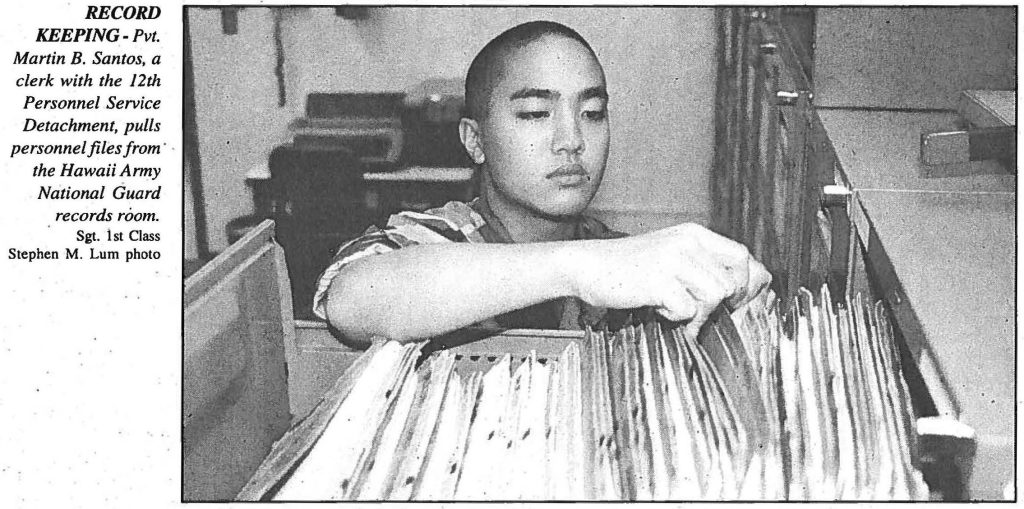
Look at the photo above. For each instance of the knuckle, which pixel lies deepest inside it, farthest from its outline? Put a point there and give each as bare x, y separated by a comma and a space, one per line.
738, 252
743, 252
670, 314
759, 274
720, 295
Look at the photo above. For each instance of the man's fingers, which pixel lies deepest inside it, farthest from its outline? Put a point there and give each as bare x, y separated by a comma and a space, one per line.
702, 269
693, 328
704, 309
746, 276
707, 285
725, 261
739, 282
758, 280
686, 305
759, 276
679, 306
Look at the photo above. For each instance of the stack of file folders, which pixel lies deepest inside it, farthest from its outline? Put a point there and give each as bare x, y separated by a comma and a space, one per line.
810, 406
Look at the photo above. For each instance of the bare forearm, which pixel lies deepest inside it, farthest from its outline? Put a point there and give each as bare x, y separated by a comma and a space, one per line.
684, 272
423, 291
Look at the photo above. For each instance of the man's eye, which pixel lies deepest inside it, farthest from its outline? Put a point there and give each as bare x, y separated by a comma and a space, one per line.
532, 115
595, 115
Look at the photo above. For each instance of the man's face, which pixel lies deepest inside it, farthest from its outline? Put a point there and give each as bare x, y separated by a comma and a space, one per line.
545, 135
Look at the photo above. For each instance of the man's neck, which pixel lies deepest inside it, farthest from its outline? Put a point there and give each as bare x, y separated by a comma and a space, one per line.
523, 225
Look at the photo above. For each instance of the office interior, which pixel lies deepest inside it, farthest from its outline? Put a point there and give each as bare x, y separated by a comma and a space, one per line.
870, 150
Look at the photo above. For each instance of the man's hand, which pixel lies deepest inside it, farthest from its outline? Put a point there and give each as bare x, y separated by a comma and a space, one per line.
684, 272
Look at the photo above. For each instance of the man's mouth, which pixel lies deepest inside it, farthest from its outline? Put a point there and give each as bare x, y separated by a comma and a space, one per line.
569, 175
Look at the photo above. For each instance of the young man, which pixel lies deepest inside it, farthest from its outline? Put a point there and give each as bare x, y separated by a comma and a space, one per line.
523, 254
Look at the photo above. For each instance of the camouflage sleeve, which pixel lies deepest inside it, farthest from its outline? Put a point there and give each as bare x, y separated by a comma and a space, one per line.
373, 242
455, 222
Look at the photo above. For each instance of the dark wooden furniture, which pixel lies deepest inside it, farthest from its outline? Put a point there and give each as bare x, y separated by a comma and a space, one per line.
321, 198
772, 159
318, 202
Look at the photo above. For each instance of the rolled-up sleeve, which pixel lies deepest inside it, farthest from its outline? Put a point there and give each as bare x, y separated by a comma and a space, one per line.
455, 222
372, 243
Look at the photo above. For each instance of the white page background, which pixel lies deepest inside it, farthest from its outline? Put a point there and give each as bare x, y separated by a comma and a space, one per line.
90, 352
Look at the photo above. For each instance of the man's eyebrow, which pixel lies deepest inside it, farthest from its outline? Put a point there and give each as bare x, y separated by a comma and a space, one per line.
528, 93
594, 92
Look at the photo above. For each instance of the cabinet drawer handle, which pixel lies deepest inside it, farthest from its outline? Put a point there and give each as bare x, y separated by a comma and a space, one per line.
785, 98
834, 195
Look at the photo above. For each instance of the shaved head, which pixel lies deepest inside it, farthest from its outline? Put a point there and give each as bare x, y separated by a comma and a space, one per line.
489, 65
537, 124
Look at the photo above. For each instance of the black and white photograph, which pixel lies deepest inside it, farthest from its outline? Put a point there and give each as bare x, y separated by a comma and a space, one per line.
598, 253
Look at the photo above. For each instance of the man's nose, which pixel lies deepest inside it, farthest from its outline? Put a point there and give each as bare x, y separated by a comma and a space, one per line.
568, 136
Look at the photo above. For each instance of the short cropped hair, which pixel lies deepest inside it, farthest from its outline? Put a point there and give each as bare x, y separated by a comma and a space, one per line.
487, 65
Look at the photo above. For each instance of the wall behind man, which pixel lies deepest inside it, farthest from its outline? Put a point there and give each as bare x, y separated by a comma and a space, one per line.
237, 117
660, 66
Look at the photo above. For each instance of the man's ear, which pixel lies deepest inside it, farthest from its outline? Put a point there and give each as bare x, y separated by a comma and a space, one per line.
469, 133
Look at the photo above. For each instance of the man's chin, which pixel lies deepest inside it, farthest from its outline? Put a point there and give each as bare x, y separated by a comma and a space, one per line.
565, 209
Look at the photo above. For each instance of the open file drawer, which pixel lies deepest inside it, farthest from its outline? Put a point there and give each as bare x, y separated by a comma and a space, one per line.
940, 253
251, 370
239, 395
807, 190
237, 323
953, 311
319, 359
